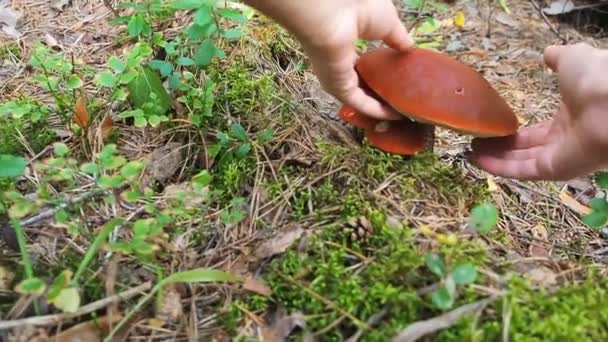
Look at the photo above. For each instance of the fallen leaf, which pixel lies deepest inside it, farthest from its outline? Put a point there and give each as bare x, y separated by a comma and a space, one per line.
459, 19
191, 199
420, 329
106, 126
6, 278
280, 243
89, 331
170, 307
506, 19
538, 274
559, 7
538, 247
283, 326
572, 203
163, 163
492, 186
81, 113
59, 5
254, 285
51, 42
9, 19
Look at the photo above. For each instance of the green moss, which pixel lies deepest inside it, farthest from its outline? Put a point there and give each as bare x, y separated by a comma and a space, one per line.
24, 117
10, 50
243, 91
573, 313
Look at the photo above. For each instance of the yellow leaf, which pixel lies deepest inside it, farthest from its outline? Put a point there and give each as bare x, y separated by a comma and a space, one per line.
459, 19
572, 203
426, 230
492, 186
106, 126
81, 114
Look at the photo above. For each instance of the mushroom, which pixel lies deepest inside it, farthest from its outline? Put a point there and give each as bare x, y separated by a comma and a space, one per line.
404, 137
433, 90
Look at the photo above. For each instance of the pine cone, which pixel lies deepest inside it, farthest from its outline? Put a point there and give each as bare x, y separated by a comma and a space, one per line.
358, 229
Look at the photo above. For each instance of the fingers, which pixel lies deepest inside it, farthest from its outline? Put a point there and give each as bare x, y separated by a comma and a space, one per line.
552, 55
362, 103
398, 38
526, 169
524, 139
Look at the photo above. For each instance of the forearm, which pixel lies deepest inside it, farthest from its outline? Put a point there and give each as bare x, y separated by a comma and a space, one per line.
303, 18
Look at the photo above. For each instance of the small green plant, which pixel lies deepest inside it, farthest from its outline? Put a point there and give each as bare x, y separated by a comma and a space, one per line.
598, 216
484, 217
460, 274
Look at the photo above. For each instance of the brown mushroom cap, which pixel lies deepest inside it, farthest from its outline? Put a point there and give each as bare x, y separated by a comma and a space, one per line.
403, 137
433, 88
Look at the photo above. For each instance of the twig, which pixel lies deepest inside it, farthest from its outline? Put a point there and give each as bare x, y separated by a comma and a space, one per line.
372, 321
86, 309
421, 328
360, 324
551, 27
109, 6
52, 211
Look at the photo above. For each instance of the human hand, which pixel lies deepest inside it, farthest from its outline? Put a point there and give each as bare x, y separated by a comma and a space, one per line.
574, 141
328, 30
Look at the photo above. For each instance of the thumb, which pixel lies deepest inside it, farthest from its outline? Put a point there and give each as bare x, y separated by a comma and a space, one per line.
552, 55
398, 38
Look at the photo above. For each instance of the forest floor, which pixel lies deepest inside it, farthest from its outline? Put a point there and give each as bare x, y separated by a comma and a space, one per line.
313, 234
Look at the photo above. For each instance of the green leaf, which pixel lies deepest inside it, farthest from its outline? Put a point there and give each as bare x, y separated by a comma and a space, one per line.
105, 79
68, 300
109, 182
195, 32
61, 282
165, 68
464, 274
186, 4
31, 286
132, 169
238, 132
11, 166
185, 61
203, 178
127, 77
131, 196
598, 215
232, 14
435, 264
140, 122
484, 217
114, 163
100, 238
90, 168
601, 178
132, 113
243, 151
117, 64
266, 135
154, 120
203, 16
205, 53
60, 149
230, 34
62, 216
442, 299
74, 82
148, 88
136, 25
200, 275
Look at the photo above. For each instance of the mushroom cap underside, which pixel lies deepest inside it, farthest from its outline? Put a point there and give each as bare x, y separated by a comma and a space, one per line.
435, 89
403, 137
